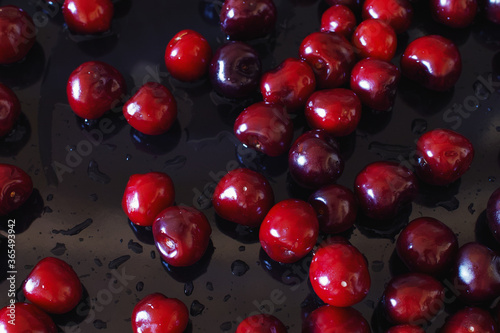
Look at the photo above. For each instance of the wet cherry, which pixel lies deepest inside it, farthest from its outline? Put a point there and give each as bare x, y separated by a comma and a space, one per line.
398, 13
88, 16
331, 319
454, 13
16, 187
470, 319
27, 318
261, 323
157, 313
17, 34
339, 19
10, 109
375, 39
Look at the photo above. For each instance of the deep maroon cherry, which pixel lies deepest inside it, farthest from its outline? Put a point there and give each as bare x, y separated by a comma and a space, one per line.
375, 82
492, 9
470, 319
432, 61
10, 109
339, 19
314, 159
454, 13
493, 214
443, 156
354, 5
15, 188
17, 34
406, 329
375, 39
331, 319
261, 323
398, 13
27, 318
88, 16
157, 313
265, 127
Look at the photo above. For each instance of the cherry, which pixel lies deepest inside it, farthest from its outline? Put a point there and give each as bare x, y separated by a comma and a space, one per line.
383, 188
16, 188
235, 70
406, 329
470, 319
375, 82
337, 111
53, 286
181, 235
330, 319
17, 34
443, 156
492, 9
188, 56
375, 39
88, 17
146, 195
454, 13
243, 196
432, 61
314, 159
261, 323
26, 318
289, 230
265, 127
94, 88
339, 19
157, 313
493, 214
290, 84
331, 57
152, 110
353, 5
10, 109
398, 13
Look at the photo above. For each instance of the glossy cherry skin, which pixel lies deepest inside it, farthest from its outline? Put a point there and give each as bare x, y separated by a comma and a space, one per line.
28, 318
443, 156
339, 19
93, 88
53, 286
470, 319
406, 329
397, 13
88, 17
493, 214
383, 188
331, 319
181, 235
265, 127
243, 196
245, 20
375, 82
432, 61
261, 323
289, 231
492, 9
337, 111
152, 110
157, 313
10, 109
17, 34
330, 56
235, 70
16, 187
375, 39
146, 195
290, 84
188, 56
454, 13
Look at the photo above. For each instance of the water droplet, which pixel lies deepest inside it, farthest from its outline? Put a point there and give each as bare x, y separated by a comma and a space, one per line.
95, 174
115, 263
226, 326
241, 248
449, 205
99, 324
47, 210
128, 157
377, 265
239, 267
59, 249
418, 126
139, 286
75, 230
188, 288
153, 255
175, 163
481, 90
98, 262
491, 179
227, 298
93, 197
196, 308
50, 197
135, 247
209, 286
471, 208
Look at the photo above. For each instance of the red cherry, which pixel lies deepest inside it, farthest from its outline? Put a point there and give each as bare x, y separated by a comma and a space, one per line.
27, 318
454, 13
94, 88
16, 187
289, 231
146, 195
290, 84
432, 61
493, 214
339, 19
181, 235
17, 34
330, 319
443, 156
492, 9
337, 111
243, 196
53, 286
188, 55
156, 313
468, 320
353, 5
88, 16
152, 110
375, 39
406, 329
398, 13
10, 110
261, 323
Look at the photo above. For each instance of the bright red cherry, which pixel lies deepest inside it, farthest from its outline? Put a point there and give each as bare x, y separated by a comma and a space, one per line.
337, 111
181, 235
243, 196
26, 318
330, 319
375, 39
443, 156
157, 313
10, 109
492, 9
152, 110
493, 214
339, 19
289, 231
261, 323
16, 187
53, 286
146, 195
17, 34
406, 329
94, 88
188, 56
469, 320
88, 17
454, 13
398, 13
432, 61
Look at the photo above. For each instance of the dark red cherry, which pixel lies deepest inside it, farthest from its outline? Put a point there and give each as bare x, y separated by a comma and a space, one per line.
427, 245
337, 111
383, 188
289, 231
25, 317
454, 13
93, 88
15, 188
152, 110
375, 82
331, 57
354, 5
88, 17
443, 156
188, 56
470, 319
375, 39
157, 313
243, 196
492, 9
339, 19
261, 323
398, 13
235, 70
290, 84
17, 34
265, 127
331, 319
432, 61
493, 214
10, 109
314, 160
406, 329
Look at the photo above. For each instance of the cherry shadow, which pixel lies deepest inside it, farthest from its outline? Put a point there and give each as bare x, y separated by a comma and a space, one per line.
238, 232
16, 140
191, 273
